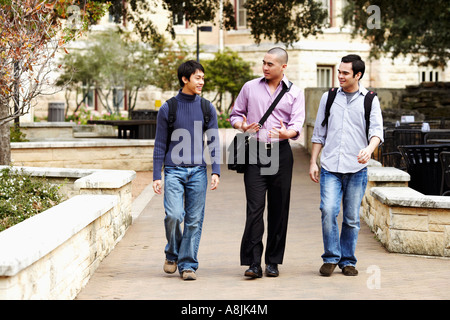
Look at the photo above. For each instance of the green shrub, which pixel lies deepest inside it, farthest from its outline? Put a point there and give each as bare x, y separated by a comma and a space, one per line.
223, 120
16, 135
23, 196
84, 114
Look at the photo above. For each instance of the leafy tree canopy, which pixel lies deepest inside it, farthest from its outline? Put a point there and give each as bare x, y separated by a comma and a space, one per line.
227, 72
285, 20
405, 27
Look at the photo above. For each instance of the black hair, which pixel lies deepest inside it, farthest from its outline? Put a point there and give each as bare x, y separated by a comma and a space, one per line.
357, 64
188, 68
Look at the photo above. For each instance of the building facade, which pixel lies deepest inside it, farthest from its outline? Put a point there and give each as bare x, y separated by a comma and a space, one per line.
313, 61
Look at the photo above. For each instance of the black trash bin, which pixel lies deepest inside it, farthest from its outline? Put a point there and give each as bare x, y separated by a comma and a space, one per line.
56, 112
146, 131
424, 167
144, 114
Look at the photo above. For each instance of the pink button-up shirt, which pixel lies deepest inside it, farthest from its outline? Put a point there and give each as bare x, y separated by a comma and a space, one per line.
254, 100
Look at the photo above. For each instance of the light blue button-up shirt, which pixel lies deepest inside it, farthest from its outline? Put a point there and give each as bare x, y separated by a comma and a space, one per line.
345, 134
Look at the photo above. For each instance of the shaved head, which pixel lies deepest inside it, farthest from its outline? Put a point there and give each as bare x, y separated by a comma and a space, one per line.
280, 53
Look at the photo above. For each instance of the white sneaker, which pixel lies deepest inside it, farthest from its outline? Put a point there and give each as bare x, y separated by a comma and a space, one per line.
170, 266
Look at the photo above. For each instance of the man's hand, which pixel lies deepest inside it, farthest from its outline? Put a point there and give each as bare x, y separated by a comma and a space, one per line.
157, 186
314, 172
282, 133
214, 181
243, 126
364, 155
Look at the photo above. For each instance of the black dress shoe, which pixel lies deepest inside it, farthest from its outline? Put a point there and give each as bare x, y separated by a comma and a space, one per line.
254, 271
272, 270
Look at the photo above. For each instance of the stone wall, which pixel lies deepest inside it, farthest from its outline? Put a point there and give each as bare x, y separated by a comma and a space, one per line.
404, 220
115, 154
53, 254
432, 99
64, 131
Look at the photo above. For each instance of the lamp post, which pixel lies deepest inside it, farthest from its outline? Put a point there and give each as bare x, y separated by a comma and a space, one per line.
204, 29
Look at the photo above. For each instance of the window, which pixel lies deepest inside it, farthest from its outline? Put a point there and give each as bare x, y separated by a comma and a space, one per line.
428, 75
241, 14
179, 19
326, 4
325, 76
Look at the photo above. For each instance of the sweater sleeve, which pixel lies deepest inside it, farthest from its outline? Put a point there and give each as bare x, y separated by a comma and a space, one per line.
213, 139
159, 151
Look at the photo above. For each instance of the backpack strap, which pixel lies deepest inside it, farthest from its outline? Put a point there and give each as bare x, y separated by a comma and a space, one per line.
206, 114
331, 96
368, 99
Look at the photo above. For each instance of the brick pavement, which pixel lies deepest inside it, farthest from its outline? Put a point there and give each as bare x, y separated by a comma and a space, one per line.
134, 269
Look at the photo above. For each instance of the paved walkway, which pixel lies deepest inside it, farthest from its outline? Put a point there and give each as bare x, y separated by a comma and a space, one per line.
134, 269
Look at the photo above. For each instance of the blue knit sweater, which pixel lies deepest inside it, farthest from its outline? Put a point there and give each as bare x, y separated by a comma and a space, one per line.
187, 149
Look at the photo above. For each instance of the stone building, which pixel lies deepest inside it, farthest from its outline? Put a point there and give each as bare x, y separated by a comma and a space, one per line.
313, 61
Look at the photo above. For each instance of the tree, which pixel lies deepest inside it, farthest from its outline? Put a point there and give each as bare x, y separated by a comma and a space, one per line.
30, 36
170, 57
283, 20
195, 11
227, 72
400, 28
114, 60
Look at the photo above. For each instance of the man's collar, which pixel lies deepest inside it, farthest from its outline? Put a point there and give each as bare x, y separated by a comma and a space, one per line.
361, 89
284, 80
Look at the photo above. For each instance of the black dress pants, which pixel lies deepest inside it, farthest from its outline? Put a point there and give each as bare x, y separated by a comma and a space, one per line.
277, 187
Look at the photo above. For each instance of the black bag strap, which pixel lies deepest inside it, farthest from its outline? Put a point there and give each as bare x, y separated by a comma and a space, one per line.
274, 103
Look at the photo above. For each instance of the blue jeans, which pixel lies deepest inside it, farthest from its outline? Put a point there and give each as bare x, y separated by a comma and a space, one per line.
349, 189
184, 200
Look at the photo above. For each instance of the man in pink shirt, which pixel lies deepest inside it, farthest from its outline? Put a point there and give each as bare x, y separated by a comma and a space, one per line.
284, 123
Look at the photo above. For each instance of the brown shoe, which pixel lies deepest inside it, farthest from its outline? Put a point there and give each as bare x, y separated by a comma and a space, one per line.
327, 269
170, 266
350, 271
188, 275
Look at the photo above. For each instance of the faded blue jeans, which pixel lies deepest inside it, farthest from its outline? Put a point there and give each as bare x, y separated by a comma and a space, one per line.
348, 189
184, 200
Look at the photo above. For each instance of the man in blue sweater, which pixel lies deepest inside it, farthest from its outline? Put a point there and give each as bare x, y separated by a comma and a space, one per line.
185, 171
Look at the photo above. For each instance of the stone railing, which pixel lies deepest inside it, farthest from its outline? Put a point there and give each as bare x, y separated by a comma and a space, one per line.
404, 220
53, 254
114, 154
57, 131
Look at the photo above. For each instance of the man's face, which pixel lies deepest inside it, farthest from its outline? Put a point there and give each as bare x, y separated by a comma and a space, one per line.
346, 79
272, 68
194, 85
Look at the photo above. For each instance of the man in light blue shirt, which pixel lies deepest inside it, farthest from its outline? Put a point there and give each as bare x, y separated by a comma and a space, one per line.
345, 154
